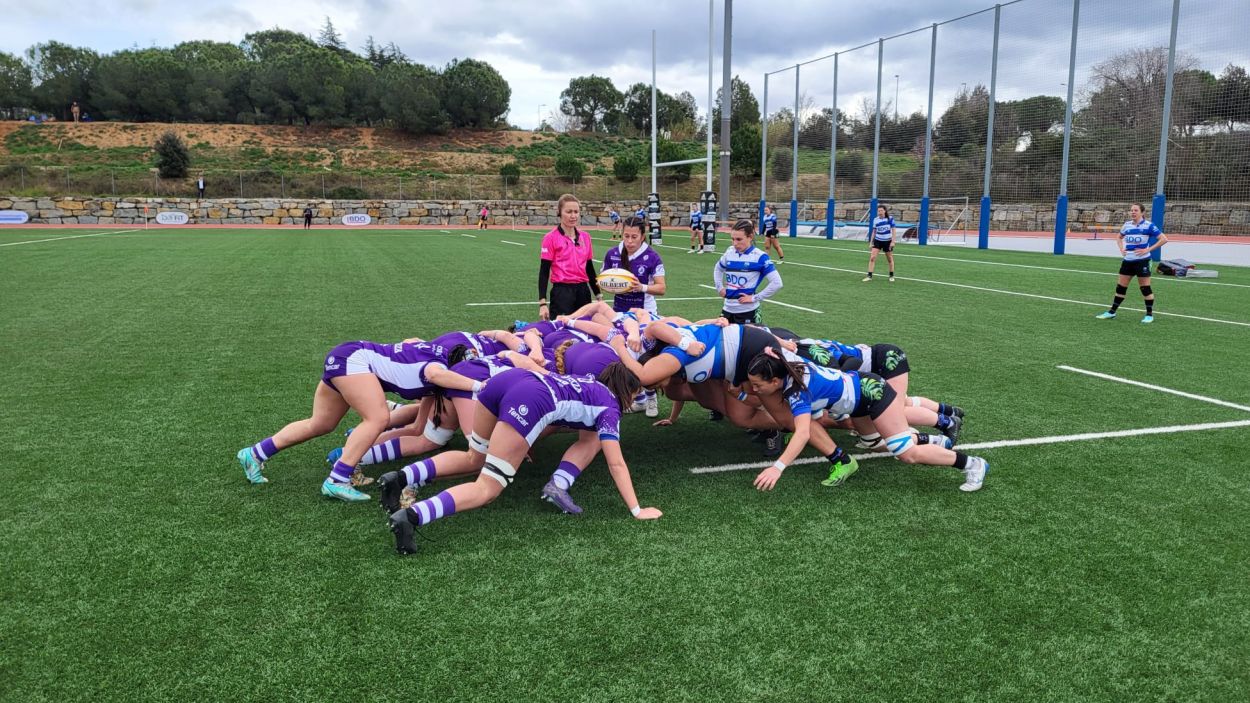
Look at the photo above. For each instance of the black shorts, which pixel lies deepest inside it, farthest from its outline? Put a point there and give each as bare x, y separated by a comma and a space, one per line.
886, 246
696, 229
743, 318
889, 361
1139, 268
754, 341
875, 395
771, 233
566, 298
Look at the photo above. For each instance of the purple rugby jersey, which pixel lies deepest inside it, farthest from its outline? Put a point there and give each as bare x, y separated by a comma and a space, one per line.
479, 344
645, 264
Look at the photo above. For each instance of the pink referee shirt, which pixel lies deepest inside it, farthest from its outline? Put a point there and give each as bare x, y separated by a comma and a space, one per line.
568, 262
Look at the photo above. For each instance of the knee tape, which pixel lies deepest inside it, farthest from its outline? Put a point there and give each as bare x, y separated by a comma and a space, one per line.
1121, 290
437, 435
477, 444
915, 401
1147, 291
500, 470
900, 443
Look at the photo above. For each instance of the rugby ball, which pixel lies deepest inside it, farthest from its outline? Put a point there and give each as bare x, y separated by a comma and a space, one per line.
616, 281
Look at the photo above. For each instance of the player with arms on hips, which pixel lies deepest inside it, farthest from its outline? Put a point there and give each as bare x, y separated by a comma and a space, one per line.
696, 230
511, 413
616, 222
769, 225
739, 274
882, 240
1138, 238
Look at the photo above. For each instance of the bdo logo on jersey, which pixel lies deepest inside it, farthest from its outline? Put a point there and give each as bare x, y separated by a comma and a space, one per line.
357, 219
172, 218
735, 280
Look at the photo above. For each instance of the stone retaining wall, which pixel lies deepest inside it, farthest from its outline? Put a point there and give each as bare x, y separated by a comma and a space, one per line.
1187, 218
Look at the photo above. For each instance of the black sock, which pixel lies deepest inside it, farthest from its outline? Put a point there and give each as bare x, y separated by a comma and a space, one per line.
838, 457
1150, 307
1115, 303
944, 409
961, 460
891, 273
870, 274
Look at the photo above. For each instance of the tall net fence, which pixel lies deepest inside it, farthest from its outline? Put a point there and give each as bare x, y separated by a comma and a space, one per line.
1119, 79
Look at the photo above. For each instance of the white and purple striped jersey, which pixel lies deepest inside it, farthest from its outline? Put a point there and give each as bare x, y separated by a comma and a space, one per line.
400, 368
645, 264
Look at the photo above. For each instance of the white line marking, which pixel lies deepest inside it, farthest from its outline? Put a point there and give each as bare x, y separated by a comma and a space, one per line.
1161, 389
774, 302
447, 231
515, 244
1084, 437
76, 236
1028, 295
1023, 266
471, 236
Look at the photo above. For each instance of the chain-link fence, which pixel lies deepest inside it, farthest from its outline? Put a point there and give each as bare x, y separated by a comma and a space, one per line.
1031, 104
21, 180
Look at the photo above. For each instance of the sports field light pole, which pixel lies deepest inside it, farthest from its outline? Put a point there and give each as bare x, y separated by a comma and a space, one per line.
726, 107
833, 156
711, 39
923, 234
1158, 206
794, 165
876, 142
1061, 204
983, 234
763, 151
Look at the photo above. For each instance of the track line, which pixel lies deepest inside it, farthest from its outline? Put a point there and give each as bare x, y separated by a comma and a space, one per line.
1027, 295
1161, 389
998, 444
75, 236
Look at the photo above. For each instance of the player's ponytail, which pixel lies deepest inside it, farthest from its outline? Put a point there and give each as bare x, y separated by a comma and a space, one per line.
769, 366
887, 210
459, 353
623, 383
560, 351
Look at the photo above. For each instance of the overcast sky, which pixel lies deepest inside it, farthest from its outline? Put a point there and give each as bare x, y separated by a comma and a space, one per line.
538, 45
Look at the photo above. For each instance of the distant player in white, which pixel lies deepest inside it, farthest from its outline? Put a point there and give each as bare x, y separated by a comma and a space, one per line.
1138, 237
882, 238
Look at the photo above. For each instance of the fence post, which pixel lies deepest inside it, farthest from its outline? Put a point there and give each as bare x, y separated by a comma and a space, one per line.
794, 159
240, 184
323, 186
282, 184
763, 154
68, 187
1061, 204
833, 158
928, 144
983, 234
113, 182
876, 142
1158, 205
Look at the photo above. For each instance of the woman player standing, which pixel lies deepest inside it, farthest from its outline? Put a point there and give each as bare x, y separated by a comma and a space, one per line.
769, 225
882, 240
1138, 237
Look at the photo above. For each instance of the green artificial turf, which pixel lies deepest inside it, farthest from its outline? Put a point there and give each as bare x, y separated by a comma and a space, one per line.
137, 564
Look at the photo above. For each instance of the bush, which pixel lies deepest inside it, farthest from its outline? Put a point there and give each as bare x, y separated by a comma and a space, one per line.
173, 159
570, 168
626, 167
782, 164
348, 193
510, 172
852, 165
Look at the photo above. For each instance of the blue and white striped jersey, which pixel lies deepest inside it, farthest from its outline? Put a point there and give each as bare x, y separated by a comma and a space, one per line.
833, 391
769, 223
696, 218
883, 228
1139, 237
742, 274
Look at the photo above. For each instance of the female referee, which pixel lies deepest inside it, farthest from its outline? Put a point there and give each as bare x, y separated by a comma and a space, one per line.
568, 262
1138, 237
